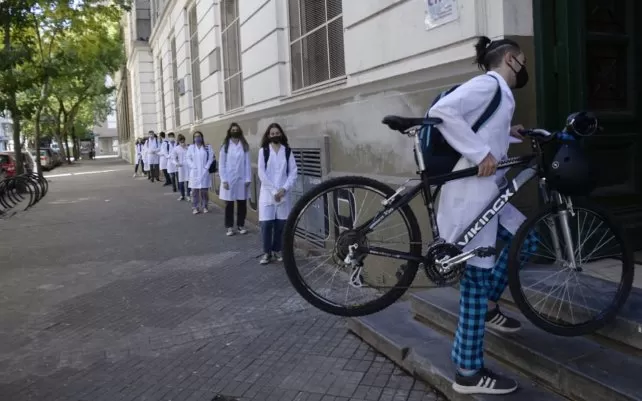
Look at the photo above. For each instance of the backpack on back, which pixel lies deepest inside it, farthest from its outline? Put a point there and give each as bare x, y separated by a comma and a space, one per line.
439, 157
288, 151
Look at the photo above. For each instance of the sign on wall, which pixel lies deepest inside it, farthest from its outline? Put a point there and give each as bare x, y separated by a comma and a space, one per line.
440, 12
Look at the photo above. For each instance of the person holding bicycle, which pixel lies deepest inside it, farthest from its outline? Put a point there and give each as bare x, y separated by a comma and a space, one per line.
461, 201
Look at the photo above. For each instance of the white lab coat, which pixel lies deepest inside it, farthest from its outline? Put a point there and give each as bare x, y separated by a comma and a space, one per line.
145, 154
272, 179
165, 153
199, 160
139, 152
153, 148
234, 168
462, 200
179, 157
162, 155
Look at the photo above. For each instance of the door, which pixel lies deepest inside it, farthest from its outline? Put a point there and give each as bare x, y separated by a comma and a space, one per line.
589, 57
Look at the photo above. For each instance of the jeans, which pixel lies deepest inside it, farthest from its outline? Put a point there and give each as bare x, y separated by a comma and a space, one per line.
154, 171
168, 178
200, 197
142, 166
183, 186
173, 179
241, 212
271, 234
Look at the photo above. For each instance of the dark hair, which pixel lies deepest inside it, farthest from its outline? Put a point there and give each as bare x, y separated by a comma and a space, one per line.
194, 136
489, 54
170, 134
266, 137
226, 141
180, 137
162, 134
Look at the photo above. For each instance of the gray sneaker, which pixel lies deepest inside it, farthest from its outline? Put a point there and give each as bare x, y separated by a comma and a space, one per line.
265, 259
277, 256
484, 382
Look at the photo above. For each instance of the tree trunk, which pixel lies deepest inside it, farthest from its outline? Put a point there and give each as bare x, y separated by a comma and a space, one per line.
13, 101
66, 140
44, 93
74, 140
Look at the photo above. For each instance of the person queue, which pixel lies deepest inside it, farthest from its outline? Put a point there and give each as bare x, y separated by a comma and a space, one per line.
187, 168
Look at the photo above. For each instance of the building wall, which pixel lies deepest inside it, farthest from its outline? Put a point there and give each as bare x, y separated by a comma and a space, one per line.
393, 65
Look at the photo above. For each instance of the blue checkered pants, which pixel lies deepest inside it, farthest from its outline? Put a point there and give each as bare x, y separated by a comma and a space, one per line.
477, 286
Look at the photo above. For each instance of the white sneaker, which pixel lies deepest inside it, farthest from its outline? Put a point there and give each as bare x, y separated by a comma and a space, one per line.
277, 256
189, 198
194, 211
182, 198
230, 232
135, 175
242, 230
265, 259
205, 210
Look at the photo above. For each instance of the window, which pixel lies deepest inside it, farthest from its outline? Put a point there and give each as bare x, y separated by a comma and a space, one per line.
143, 22
177, 98
162, 93
196, 64
232, 75
316, 41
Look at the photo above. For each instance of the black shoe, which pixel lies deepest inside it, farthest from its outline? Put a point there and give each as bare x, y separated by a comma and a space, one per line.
484, 382
496, 320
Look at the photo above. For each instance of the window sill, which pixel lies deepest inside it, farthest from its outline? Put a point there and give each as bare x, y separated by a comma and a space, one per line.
316, 88
234, 111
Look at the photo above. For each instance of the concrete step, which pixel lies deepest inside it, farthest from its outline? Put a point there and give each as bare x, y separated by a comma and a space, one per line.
627, 327
576, 367
425, 353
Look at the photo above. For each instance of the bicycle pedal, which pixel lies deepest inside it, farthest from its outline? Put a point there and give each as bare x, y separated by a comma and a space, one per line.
485, 252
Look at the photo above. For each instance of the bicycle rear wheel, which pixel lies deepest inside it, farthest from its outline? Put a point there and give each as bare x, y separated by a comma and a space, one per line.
320, 228
551, 293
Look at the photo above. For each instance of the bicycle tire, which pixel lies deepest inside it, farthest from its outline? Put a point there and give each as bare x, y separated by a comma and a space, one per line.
605, 316
388, 298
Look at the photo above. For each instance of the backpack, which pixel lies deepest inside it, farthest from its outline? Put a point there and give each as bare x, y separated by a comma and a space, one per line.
212, 168
439, 157
288, 151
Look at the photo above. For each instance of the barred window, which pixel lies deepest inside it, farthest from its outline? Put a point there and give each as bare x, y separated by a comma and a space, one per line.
162, 93
231, 52
177, 106
316, 41
196, 64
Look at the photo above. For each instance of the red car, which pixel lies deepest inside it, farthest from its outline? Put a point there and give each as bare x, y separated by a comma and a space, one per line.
8, 163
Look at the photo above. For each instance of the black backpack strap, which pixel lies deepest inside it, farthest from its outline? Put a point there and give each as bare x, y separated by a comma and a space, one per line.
491, 109
288, 152
266, 155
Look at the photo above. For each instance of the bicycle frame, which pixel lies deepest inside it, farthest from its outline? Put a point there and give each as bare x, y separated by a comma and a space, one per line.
399, 199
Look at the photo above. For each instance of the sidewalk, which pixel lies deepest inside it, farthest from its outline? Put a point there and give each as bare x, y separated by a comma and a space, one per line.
111, 290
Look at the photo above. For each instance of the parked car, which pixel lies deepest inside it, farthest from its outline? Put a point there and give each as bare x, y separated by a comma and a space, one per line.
47, 160
57, 157
8, 163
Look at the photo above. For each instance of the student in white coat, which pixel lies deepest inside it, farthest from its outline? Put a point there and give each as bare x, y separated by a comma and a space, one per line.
235, 170
199, 159
277, 172
167, 162
162, 159
181, 176
146, 168
139, 157
462, 200
153, 149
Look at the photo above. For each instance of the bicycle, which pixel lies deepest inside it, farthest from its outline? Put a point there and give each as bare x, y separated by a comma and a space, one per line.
350, 244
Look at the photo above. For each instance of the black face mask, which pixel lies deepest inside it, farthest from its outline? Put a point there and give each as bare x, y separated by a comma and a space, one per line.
275, 139
521, 76
235, 134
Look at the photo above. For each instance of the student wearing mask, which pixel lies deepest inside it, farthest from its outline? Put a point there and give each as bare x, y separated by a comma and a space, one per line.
170, 168
462, 200
162, 156
139, 158
146, 166
181, 176
199, 159
153, 149
235, 171
277, 172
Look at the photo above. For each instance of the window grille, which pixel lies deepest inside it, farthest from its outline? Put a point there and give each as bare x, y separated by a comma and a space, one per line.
316, 41
231, 52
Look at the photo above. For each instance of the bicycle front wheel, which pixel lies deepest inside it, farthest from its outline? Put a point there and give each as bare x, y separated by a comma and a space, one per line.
316, 240
570, 273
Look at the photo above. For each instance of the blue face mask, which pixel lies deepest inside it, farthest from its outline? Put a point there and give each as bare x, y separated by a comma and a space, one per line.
198, 140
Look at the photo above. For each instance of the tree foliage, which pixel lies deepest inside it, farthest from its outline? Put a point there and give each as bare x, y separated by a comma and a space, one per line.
54, 60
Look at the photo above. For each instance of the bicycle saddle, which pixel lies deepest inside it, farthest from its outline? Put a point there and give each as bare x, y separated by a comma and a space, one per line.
398, 123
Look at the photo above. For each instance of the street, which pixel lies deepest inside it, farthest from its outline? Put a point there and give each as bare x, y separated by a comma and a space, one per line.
111, 290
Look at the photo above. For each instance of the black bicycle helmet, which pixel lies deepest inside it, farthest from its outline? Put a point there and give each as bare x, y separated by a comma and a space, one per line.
583, 123
569, 171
